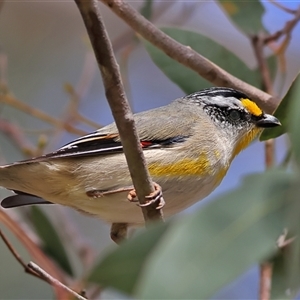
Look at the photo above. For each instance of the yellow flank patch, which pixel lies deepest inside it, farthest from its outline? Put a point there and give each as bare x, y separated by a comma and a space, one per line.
220, 175
183, 167
251, 107
246, 140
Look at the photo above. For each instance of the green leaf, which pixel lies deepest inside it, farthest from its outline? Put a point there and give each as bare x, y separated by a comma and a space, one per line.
280, 285
194, 256
146, 10
52, 243
286, 271
282, 113
123, 268
293, 119
247, 15
188, 80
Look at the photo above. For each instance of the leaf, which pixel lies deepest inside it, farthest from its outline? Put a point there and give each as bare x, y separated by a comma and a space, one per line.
188, 80
123, 268
52, 243
194, 256
282, 113
280, 285
293, 120
247, 15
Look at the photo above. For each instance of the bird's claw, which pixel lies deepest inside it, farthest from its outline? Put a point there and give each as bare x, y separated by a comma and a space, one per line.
154, 197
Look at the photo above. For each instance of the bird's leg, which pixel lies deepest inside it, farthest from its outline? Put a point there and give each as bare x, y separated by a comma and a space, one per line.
118, 232
155, 197
101, 193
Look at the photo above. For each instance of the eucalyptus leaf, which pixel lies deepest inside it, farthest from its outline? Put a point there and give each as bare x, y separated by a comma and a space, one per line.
52, 243
293, 120
122, 269
188, 80
247, 15
281, 287
282, 113
194, 256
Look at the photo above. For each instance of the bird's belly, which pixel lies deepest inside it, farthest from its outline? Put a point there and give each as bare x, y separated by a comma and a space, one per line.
115, 208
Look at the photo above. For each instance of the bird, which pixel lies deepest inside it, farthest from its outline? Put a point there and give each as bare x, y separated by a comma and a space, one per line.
188, 145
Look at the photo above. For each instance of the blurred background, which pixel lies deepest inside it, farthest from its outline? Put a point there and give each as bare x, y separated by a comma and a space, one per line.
47, 62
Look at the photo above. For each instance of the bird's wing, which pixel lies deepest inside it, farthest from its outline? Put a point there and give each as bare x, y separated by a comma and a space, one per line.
100, 144
161, 132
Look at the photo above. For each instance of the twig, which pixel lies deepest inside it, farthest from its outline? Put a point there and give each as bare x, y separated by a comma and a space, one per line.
266, 268
72, 111
17, 137
122, 40
34, 250
47, 277
119, 105
258, 45
265, 281
282, 7
286, 30
269, 153
18, 257
186, 55
10, 100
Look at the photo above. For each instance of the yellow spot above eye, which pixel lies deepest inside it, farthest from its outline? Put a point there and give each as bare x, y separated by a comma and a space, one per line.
251, 107
183, 167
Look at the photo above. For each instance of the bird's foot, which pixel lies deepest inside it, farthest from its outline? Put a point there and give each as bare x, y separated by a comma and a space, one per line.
154, 197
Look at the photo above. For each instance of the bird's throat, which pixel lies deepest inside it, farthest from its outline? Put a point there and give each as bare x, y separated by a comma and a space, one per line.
246, 140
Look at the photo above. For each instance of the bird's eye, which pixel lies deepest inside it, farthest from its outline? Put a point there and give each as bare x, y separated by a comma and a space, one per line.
234, 115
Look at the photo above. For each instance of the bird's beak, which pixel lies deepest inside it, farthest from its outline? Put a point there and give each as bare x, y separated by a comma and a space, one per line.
267, 121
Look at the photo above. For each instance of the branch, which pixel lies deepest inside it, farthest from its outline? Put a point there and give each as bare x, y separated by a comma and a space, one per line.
258, 47
286, 30
16, 135
38, 272
33, 250
187, 56
265, 280
116, 98
18, 257
47, 277
10, 100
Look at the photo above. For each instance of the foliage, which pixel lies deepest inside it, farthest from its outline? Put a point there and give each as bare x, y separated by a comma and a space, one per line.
189, 81
196, 255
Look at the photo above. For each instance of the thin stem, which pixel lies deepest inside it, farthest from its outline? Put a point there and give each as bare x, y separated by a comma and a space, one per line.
286, 30
119, 105
265, 281
18, 257
187, 56
258, 46
10, 100
47, 277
